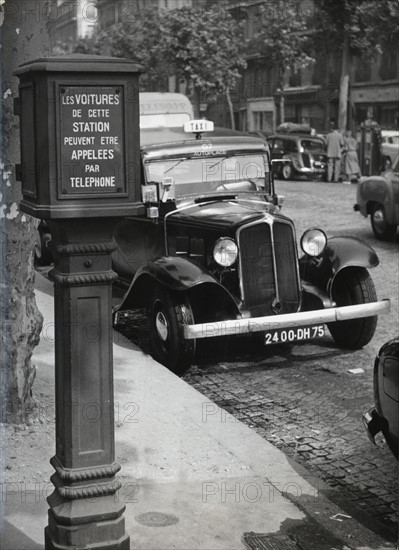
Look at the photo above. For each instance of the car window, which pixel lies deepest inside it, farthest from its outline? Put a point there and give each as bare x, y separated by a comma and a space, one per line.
290, 146
197, 175
278, 144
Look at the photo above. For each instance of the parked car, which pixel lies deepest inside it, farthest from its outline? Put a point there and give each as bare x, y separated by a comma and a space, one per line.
389, 145
384, 416
378, 197
214, 256
305, 156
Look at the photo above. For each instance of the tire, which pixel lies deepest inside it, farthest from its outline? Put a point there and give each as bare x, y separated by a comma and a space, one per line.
167, 314
383, 230
353, 286
287, 172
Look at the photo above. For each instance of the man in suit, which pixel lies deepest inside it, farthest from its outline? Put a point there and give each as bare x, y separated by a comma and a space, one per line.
335, 143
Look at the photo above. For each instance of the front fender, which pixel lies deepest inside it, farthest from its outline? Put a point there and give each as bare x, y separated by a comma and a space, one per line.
340, 253
175, 274
378, 190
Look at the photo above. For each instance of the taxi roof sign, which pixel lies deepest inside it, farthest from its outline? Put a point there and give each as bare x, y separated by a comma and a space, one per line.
197, 126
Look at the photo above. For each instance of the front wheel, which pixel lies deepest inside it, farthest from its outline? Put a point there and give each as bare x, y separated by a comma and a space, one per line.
383, 230
353, 286
287, 171
168, 312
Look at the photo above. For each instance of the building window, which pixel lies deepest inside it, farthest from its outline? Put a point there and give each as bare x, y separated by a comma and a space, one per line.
389, 66
295, 79
362, 70
263, 120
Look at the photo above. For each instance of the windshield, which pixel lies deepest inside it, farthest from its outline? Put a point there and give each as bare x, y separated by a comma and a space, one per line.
194, 176
312, 145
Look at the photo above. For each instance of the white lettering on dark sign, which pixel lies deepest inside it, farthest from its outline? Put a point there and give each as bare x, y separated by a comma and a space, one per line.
91, 139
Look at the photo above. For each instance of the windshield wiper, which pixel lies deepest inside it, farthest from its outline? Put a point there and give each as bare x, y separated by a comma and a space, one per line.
221, 159
176, 164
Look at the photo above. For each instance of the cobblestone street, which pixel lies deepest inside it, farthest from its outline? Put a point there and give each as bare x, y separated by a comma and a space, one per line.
302, 398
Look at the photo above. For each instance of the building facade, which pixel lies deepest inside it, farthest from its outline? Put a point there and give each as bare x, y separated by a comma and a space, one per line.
115, 11
71, 19
312, 95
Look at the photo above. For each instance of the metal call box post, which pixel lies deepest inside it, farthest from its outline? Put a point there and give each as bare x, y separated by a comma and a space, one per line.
79, 120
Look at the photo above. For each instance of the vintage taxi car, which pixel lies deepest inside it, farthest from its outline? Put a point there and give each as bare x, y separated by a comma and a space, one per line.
214, 255
378, 197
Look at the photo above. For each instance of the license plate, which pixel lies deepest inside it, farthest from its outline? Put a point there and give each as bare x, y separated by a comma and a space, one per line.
297, 334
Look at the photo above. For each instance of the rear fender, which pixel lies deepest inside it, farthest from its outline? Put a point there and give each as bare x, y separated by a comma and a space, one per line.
340, 253
176, 274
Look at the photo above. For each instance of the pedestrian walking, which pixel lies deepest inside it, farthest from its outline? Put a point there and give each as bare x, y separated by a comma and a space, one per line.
351, 161
335, 144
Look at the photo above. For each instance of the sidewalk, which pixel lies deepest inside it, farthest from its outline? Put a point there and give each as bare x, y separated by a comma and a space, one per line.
193, 476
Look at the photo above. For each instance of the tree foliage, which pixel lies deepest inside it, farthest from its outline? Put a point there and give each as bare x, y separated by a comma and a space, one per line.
283, 38
204, 47
368, 26
362, 28
137, 39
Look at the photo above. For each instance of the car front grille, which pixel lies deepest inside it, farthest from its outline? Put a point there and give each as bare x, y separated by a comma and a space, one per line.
306, 160
269, 278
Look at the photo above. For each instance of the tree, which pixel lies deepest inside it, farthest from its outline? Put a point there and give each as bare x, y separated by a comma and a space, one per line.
22, 38
135, 38
206, 49
360, 28
282, 38
202, 46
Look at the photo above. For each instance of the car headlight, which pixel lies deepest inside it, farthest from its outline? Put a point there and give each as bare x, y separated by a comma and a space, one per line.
314, 242
225, 252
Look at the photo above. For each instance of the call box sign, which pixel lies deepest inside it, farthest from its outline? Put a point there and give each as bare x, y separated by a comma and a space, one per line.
91, 141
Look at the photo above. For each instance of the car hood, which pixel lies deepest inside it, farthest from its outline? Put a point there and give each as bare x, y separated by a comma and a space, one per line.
227, 213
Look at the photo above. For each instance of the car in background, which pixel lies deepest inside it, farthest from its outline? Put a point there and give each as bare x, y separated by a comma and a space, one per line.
378, 197
384, 416
302, 156
215, 257
389, 145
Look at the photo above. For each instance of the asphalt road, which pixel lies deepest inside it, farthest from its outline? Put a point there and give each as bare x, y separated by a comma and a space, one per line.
302, 398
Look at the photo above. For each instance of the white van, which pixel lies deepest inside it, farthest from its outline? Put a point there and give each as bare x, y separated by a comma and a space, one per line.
164, 110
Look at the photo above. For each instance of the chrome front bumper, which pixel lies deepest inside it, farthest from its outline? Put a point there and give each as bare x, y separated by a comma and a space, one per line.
290, 320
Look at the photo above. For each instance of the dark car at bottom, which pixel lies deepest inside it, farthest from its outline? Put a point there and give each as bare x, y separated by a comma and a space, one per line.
384, 416
215, 256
